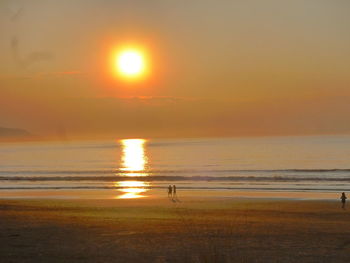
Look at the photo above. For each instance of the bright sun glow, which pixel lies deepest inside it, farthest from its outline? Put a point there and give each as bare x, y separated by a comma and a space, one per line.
130, 63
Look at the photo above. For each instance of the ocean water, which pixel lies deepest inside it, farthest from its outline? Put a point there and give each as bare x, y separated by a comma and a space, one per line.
132, 167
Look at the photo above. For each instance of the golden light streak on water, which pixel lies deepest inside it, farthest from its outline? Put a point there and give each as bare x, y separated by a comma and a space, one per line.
133, 162
133, 158
132, 189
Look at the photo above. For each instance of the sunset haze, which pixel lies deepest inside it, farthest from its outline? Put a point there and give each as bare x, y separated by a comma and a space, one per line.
218, 68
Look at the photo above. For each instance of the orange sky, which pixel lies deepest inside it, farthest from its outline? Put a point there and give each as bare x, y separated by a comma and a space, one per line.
219, 68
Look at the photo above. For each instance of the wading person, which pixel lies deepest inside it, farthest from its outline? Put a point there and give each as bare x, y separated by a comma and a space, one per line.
343, 200
170, 190
174, 190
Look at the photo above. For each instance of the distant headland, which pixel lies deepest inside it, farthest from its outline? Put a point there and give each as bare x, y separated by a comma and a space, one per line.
14, 134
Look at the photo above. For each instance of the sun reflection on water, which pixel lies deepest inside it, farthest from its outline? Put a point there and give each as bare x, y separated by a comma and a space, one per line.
133, 162
132, 189
133, 158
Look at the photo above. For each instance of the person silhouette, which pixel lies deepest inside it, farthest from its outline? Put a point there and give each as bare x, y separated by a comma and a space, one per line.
343, 200
174, 191
170, 191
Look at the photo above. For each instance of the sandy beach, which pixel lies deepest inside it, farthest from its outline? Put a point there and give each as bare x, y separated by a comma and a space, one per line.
216, 228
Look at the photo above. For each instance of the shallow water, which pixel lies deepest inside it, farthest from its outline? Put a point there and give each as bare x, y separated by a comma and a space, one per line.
131, 167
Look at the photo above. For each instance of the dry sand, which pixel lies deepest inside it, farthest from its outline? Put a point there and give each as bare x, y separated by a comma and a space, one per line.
156, 229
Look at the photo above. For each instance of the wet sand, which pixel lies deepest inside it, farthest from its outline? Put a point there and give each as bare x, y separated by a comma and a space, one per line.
157, 229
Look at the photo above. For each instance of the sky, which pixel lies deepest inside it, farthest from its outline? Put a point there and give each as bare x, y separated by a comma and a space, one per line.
217, 68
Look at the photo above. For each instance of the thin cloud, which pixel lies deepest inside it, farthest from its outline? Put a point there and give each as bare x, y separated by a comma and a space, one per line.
156, 98
29, 59
58, 73
42, 75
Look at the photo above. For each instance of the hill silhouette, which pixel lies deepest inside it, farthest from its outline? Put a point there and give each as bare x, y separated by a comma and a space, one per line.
13, 133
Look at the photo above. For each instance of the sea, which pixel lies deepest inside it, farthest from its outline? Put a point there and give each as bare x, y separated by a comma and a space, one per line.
133, 167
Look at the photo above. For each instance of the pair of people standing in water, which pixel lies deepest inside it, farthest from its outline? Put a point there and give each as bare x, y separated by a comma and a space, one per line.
172, 191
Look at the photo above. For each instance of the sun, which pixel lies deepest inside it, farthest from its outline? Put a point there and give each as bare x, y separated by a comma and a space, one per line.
130, 63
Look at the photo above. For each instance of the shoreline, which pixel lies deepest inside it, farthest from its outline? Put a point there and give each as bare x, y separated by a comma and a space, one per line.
154, 194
